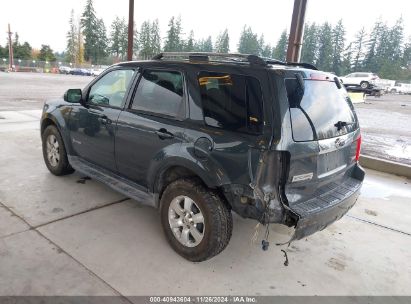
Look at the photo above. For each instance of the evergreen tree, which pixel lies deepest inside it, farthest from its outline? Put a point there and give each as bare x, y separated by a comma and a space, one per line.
338, 36
119, 38
21, 51
173, 41
102, 41
370, 59
222, 44
261, 45
389, 52
309, 52
347, 61
267, 51
381, 51
144, 40
89, 23
115, 36
46, 54
3, 53
72, 40
155, 39
204, 45
396, 39
123, 38
248, 43
325, 48
189, 45
358, 49
406, 56
280, 50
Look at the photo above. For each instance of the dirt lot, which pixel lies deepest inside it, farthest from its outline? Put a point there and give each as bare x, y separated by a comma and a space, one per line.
385, 121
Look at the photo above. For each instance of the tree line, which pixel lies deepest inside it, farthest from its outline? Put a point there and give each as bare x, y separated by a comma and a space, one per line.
384, 50
24, 51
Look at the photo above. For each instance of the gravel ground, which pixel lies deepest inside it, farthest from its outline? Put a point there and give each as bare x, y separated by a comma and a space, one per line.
386, 127
385, 121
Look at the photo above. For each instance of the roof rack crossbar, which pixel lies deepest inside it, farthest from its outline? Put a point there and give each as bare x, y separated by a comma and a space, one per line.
251, 59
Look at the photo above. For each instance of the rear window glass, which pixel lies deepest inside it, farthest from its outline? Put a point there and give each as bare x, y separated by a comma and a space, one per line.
231, 102
318, 111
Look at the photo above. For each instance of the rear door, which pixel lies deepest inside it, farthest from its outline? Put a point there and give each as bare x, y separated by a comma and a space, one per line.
325, 133
152, 123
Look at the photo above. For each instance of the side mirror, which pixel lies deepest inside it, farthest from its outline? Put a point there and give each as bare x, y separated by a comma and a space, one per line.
73, 96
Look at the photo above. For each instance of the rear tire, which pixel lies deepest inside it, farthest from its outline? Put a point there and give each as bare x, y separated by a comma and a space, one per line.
196, 221
54, 152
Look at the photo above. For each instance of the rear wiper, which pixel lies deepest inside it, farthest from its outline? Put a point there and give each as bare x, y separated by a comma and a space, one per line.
341, 124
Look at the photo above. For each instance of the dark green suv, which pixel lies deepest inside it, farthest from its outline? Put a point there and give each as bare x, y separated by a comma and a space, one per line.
198, 135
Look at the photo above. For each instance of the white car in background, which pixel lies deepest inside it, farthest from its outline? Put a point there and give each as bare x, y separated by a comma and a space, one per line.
401, 88
97, 72
361, 79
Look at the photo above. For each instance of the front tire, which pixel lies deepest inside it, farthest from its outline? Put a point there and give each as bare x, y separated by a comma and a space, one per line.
364, 85
196, 221
54, 152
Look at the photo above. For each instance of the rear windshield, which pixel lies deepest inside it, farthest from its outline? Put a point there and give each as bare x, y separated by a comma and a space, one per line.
319, 110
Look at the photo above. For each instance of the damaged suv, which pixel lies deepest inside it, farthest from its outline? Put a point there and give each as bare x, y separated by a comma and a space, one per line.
199, 135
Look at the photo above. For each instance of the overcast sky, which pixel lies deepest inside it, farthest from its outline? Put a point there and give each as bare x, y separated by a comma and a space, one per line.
46, 21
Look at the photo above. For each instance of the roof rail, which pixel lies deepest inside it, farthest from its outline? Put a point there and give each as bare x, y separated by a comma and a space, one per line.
234, 57
301, 64
205, 56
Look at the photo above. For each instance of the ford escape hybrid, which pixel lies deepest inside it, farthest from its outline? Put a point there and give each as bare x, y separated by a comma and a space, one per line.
199, 135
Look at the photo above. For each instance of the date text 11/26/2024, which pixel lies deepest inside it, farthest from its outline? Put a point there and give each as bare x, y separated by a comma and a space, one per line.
205, 299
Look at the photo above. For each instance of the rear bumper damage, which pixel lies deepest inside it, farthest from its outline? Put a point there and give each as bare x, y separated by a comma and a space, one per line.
265, 199
318, 213
328, 206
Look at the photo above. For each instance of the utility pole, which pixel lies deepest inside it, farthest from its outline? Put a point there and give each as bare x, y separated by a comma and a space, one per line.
11, 63
296, 31
130, 30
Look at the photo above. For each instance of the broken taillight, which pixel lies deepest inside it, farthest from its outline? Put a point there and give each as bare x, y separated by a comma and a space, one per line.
358, 150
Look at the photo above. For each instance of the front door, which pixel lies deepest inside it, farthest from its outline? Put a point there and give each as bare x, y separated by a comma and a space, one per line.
152, 125
93, 128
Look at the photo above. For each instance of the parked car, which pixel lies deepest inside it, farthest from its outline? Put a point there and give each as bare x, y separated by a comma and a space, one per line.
64, 69
401, 88
363, 80
82, 72
97, 72
208, 134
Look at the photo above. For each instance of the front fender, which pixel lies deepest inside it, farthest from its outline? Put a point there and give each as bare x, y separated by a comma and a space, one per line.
58, 114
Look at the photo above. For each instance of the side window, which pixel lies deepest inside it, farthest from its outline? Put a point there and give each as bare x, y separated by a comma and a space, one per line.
232, 102
110, 90
160, 92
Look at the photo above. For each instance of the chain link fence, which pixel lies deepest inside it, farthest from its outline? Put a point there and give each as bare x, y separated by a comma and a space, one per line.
57, 67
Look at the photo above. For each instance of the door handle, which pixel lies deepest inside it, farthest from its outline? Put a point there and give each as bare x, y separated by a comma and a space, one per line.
164, 134
104, 120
